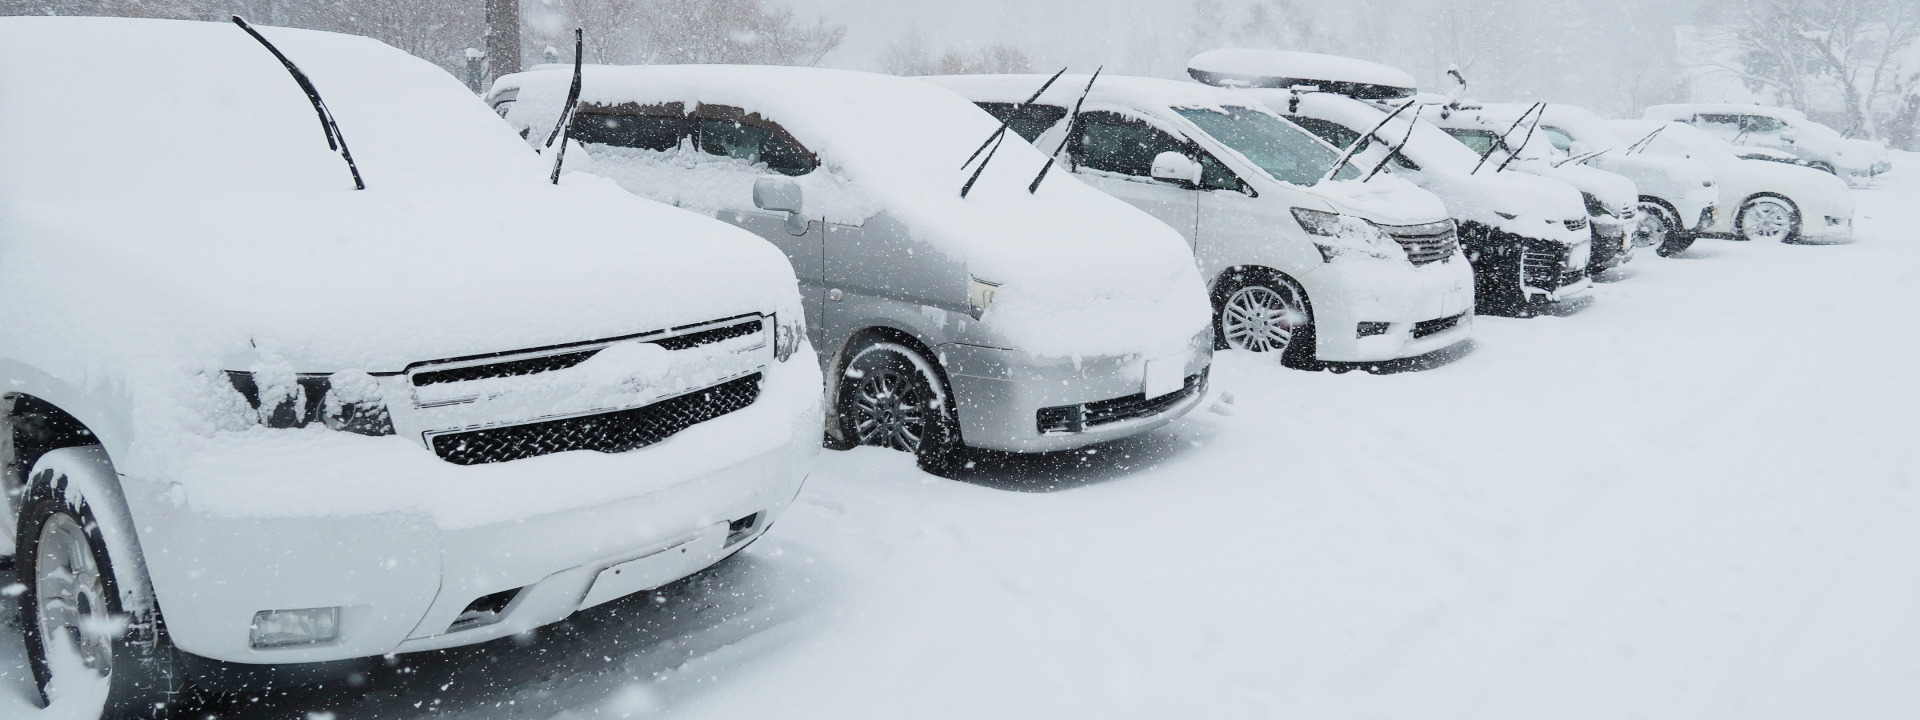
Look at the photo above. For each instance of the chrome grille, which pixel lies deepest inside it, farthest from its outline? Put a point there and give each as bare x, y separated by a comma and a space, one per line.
1547, 265
547, 360
1429, 243
607, 432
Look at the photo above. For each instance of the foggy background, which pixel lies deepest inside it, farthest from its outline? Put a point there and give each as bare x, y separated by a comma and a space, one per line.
1853, 64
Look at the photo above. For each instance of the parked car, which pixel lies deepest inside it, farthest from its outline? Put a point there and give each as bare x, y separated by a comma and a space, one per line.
1784, 130
1612, 200
257, 417
1307, 267
1525, 235
1005, 319
1759, 200
1677, 195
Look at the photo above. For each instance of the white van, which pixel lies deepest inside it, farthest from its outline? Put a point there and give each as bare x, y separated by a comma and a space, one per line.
1784, 130
1309, 267
259, 417
1010, 318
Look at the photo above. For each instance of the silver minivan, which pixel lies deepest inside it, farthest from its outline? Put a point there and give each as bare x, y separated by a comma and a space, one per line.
955, 297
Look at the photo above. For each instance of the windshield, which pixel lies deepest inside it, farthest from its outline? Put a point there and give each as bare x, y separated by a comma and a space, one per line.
1284, 151
1480, 141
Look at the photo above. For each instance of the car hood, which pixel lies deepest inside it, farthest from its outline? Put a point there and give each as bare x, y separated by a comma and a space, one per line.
1613, 190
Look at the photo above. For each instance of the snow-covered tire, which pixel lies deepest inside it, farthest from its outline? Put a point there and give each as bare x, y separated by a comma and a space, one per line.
1767, 218
891, 396
75, 610
1657, 223
1265, 313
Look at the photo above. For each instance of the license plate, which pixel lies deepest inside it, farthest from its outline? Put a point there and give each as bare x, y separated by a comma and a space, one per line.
1165, 375
657, 569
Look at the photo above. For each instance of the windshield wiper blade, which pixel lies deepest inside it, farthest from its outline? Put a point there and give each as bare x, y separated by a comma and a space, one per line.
1503, 137
1396, 149
1072, 119
1000, 135
1513, 153
1362, 141
1583, 158
564, 128
1642, 144
335, 140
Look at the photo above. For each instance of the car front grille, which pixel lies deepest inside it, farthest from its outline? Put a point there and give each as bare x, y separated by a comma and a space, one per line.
608, 432
1435, 326
1544, 265
1429, 243
1077, 418
688, 337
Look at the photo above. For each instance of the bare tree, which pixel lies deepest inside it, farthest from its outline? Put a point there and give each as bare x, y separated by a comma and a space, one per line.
908, 55
1801, 49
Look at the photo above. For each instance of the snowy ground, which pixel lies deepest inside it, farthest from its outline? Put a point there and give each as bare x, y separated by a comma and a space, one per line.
1692, 497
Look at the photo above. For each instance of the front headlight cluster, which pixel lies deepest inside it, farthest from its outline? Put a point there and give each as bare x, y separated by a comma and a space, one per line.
348, 401
980, 296
1338, 235
1595, 208
787, 334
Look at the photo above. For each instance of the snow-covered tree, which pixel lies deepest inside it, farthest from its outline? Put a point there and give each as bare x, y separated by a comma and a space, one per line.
1802, 50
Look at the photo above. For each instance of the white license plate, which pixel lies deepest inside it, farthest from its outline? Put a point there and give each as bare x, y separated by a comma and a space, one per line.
1165, 375
658, 569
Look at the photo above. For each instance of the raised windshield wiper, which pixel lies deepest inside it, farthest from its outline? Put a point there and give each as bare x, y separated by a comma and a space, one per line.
1072, 119
1396, 149
564, 128
1360, 142
1503, 137
335, 140
1001, 134
1642, 144
1513, 153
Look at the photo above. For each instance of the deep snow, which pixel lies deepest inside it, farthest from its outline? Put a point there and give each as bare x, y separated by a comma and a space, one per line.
1692, 497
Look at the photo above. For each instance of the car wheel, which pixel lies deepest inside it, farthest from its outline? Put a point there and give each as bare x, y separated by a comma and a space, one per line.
1768, 218
891, 397
1656, 224
88, 653
1269, 316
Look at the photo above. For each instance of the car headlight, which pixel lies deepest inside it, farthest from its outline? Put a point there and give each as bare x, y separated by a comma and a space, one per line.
1337, 235
1595, 207
787, 334
348, 401
980, 296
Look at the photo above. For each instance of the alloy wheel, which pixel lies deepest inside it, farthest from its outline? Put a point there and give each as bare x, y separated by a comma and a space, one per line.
1261, 319
1654, 226
71, 594
1766, 219
888, 411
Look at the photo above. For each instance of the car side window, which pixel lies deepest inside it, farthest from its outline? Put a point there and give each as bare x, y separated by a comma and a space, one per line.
1334, 133
645, 132
1559, 138
1112, 142
734, 133
1761, 124
1027, 121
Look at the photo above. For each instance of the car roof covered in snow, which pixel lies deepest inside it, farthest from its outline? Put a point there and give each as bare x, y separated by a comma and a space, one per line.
1244, 67
1680, 111
1119, 89
904, 144
168, 182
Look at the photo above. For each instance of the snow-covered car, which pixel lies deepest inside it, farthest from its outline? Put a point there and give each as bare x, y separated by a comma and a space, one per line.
1309, 267
1759, 199
1612, 200
1677, 195
950, 304
257, 416
1525, 235
1781, 129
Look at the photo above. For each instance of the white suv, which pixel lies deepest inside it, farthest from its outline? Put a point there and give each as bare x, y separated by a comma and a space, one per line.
258, 416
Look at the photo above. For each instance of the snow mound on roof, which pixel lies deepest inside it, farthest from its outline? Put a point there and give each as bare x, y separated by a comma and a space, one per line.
1081, 272
1118, 89
1240, 67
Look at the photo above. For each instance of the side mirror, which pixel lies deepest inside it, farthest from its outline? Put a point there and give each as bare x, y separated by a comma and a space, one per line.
781, 194
1176, 167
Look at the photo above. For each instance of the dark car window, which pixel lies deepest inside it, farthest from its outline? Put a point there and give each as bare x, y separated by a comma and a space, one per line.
1480, 141
1334, 133
735, 133
1029, 121
631, 131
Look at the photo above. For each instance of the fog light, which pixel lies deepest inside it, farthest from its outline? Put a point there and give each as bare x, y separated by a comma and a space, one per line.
279, 628
1367, 329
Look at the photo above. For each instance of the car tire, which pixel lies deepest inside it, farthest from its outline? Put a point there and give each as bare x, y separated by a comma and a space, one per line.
1266, 314
891, 396
1767, 218
74, 599
1657, 223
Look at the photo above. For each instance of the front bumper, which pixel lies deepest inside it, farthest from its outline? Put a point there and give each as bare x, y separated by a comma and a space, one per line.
402, 576
1423, 309
1000, 395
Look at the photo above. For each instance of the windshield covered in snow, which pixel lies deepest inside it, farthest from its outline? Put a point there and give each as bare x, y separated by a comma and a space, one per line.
1284, 151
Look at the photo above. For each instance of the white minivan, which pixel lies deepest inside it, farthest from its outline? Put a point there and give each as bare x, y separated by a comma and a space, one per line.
255, 416
956, 298
1305, 262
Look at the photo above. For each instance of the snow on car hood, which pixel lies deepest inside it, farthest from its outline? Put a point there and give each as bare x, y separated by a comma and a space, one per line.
168, 202
1080, 272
